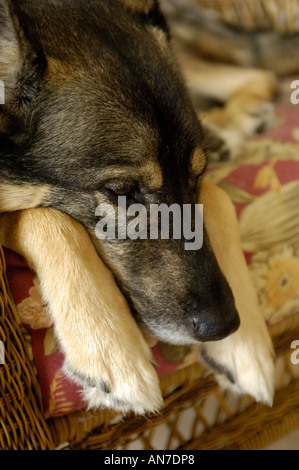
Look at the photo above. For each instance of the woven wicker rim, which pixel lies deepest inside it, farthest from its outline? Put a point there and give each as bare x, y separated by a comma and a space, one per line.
279, 15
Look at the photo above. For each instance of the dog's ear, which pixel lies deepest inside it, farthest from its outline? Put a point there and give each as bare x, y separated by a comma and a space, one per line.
22, 61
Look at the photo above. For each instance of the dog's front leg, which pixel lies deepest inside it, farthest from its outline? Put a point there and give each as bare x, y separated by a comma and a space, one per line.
244, 360
103, 346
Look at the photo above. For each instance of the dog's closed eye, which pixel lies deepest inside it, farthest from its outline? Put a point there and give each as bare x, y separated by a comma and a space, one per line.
124, 188
121, 188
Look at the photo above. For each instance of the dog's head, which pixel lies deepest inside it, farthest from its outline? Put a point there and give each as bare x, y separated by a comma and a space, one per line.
96, 110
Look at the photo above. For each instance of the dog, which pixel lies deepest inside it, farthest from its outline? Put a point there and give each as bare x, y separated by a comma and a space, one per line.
96, 108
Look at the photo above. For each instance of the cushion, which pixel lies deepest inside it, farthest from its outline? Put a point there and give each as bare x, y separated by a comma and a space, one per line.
264, 187
265, 192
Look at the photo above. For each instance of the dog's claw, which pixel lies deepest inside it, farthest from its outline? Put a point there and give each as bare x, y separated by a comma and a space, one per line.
139, 392
105, 388
139, 403
131, 384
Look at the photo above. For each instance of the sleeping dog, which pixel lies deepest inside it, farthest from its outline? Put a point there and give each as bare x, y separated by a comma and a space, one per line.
96, 109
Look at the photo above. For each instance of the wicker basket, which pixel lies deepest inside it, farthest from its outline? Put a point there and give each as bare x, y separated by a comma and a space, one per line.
278, 15
186, 421
22, 425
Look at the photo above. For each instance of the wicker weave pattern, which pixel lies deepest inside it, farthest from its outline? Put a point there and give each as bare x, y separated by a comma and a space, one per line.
22, 425
279, 15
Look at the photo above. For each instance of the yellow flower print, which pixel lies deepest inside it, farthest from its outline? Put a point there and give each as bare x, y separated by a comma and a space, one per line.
282, 281
267, 177
32, 311
296, 133
276, 277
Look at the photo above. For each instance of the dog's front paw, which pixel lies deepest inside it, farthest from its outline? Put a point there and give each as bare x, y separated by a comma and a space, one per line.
239, 121
244, 360
254, 117
243, 363
119, 376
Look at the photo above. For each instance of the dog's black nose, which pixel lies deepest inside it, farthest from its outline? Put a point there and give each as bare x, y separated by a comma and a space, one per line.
213, 323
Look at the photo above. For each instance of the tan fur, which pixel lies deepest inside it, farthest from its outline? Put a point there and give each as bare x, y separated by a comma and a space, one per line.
255, 91
138, 6
222, 81
93, 323
152, 175
15, 197
160, 37
247, 353
198, 161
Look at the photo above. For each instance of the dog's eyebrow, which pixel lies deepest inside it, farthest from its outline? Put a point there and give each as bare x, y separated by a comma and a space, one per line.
198, 161
152, 175
117, 171
149, 174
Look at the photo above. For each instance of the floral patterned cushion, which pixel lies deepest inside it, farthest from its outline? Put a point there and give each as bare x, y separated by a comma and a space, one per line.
264, 186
